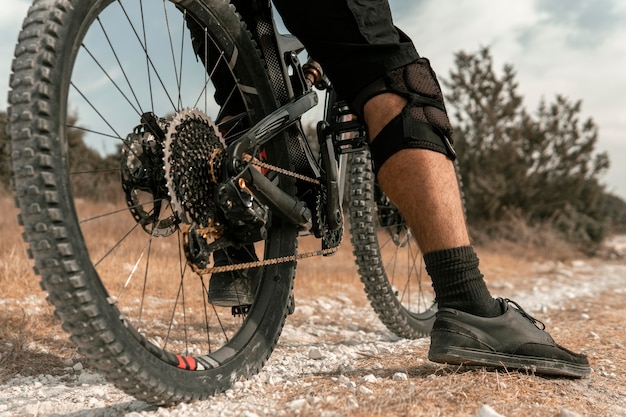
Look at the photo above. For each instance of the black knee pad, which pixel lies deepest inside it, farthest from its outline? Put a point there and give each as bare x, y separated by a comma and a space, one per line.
423, 123
404, 132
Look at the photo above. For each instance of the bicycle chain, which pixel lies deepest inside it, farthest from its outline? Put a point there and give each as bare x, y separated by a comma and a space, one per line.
257, 162
274, 261
265, 262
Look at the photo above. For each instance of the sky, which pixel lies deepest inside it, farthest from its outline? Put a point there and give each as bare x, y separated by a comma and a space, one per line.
576, 48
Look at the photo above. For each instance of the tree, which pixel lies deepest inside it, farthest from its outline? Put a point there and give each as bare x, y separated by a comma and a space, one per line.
541, 167
93, 176
488, 111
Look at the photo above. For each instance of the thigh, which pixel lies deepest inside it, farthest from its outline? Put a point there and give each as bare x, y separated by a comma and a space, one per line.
355, 41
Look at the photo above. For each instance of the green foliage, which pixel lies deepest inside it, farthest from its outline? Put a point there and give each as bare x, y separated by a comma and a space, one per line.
615, 211
542, 167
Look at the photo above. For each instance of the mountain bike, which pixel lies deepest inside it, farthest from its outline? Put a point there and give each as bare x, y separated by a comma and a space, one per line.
145, 136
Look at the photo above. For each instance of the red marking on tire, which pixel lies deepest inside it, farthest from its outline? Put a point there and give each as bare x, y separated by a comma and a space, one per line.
187, 362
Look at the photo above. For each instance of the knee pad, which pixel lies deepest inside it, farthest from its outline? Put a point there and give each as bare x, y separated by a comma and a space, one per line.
423, 122
404, 132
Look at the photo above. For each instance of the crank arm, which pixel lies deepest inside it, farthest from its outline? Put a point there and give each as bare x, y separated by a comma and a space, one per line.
333, 198
270, 126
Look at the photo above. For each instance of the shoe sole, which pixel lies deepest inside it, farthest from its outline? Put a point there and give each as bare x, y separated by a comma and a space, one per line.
502, 361
229, 299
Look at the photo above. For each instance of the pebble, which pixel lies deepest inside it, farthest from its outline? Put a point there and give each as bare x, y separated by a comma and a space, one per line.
296, 404
364, 390
370, 378
315, 354
567, 413
400, 376
486, 411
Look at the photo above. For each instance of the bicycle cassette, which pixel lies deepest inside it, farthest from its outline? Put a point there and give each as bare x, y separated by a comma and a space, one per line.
193, 153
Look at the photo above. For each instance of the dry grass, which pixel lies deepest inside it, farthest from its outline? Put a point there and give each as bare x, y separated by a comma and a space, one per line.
436, 390
26, 340
32, 343
16, 272
328, 275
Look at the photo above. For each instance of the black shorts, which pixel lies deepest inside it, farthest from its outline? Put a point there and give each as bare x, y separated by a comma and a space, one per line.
355, 41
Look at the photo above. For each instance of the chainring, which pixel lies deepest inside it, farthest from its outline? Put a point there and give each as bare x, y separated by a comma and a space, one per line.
331, 239
193, 153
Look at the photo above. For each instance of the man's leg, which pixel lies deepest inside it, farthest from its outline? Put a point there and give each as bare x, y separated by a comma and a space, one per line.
423, 184
471, 327
432, 203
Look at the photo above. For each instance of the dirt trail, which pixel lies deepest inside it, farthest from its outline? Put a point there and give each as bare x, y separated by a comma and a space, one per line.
335, 358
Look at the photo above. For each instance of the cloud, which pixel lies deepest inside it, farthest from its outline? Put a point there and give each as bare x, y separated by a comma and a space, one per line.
571, 47
587, 23
13, 12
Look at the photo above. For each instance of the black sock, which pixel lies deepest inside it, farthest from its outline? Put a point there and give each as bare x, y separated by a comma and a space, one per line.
458, 283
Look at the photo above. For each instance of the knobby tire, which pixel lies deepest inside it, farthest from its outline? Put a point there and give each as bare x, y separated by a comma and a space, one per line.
105, 313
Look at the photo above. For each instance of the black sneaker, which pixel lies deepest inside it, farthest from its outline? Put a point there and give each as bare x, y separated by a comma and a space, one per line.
513, 340
234, 288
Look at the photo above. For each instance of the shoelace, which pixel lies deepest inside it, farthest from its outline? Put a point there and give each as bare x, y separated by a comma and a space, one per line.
540, 325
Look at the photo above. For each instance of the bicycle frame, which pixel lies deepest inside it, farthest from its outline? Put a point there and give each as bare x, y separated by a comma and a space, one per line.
340, 133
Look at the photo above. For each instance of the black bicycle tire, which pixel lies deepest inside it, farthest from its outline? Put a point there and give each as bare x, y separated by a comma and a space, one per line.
364, 225
46, 48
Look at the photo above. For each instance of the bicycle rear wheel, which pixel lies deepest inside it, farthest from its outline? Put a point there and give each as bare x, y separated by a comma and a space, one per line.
388, 258
94, 84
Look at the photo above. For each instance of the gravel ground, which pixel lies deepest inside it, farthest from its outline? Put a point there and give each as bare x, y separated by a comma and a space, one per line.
312, 369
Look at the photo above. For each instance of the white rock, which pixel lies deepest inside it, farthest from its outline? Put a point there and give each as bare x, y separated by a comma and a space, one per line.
296, 404
369, 378
567, 413
352, 402
486, 411
364, 390
315, 354
400, 376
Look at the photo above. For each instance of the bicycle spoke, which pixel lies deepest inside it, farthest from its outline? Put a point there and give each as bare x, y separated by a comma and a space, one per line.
95, 109
121, 67
144, 47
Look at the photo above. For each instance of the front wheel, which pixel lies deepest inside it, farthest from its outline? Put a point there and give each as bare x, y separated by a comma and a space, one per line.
388, 258
105, 96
